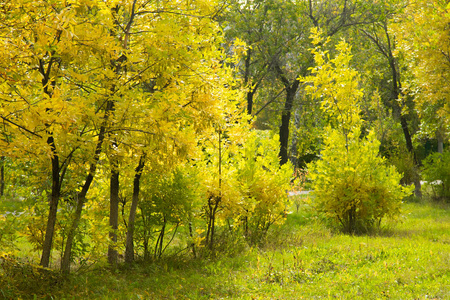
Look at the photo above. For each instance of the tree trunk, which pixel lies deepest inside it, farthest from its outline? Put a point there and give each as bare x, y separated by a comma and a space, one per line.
291, 90
440, 140
160, 241
193, 241
2, 176
294, 158
113, 214
129, 248
285, 122
65, 262
246, 82
47, 81
54, 199
250, 95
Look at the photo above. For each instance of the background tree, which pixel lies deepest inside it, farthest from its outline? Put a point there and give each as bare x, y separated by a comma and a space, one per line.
277, 35
422, 36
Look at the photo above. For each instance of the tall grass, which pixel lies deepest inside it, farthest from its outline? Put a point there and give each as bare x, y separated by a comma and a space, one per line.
300, 260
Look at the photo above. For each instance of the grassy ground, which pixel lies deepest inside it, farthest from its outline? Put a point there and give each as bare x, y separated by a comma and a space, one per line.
301, 260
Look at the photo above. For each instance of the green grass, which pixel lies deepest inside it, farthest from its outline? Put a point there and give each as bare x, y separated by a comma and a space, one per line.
301, 259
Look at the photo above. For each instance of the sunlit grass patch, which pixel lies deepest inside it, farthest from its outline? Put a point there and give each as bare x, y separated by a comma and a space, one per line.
300, 260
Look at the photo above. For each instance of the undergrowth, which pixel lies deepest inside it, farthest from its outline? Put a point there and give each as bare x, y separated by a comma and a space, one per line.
301, 259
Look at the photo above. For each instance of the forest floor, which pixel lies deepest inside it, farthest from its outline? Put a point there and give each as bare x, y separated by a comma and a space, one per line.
301, 259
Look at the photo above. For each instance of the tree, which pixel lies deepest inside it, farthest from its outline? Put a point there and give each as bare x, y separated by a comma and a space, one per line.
276, 33
422, 35
87, 76
379, 33
48, 106
351, 182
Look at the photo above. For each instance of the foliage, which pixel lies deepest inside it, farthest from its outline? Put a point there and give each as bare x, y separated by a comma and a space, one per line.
436, 172
303, 261
352, 184
167, 199
89, 88
404, 164
423, 40
244, 185
19, 279
263, 185
335, 83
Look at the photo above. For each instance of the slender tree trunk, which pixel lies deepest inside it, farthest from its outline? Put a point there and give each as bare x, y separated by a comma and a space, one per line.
440, 140
213, 222
294, 158
54, 199
113, 214
247, 80
129, 247
193, 242
250, 95
81, 197
2, 176
160, 241
47, 81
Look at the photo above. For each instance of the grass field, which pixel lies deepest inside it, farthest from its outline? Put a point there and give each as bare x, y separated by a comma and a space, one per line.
301, 260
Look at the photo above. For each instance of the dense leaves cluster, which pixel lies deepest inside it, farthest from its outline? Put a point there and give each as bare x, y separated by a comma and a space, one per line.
352, 184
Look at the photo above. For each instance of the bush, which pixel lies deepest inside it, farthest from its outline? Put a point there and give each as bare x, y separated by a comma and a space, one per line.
263, 185
436, 172
353, 186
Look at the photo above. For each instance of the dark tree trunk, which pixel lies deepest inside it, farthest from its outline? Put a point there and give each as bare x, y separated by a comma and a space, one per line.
47, 81
246, 81
129, 247
113, 214
192, 240
2, 176
160, 241
294, 143
250, 95
54, 199
285, 121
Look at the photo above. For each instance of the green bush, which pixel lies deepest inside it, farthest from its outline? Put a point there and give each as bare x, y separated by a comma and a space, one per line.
263, 185
436, 172
353, 186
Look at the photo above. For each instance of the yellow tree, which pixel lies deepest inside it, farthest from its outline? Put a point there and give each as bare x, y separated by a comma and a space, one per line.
423, 37
335, 83
351, 182
169, 84
50, 99
132, 76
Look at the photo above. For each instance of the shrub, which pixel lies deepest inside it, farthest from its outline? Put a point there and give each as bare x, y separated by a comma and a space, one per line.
263, 184
436, 172
353, 186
